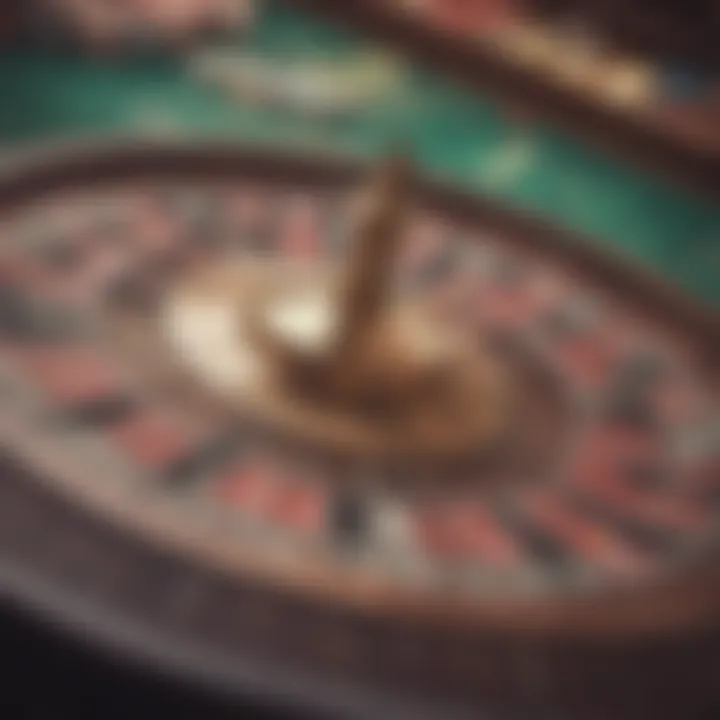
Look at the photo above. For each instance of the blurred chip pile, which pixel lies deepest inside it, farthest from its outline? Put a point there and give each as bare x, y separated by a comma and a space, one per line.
106, 25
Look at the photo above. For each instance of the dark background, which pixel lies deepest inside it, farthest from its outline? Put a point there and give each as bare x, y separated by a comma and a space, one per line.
48, 676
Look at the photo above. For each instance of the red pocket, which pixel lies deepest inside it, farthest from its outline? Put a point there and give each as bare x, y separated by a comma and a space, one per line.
157, 439
247, 486
585, 537
298, 505
301, 232
70, 376
465, 532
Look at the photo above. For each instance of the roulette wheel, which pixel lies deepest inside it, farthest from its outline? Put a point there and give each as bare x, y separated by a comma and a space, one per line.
400, 453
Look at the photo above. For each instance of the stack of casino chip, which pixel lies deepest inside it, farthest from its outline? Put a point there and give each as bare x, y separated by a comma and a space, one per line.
116, 25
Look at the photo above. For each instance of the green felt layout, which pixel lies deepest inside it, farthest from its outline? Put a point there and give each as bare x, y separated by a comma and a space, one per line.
52, 93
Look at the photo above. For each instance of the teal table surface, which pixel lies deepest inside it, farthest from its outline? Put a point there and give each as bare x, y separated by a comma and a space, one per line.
50, 93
